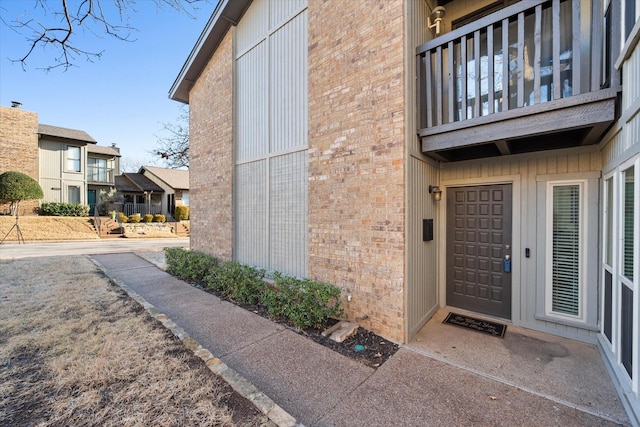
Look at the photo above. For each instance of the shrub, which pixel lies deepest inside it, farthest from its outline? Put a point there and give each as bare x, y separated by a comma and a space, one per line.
159, 218
134, 218
147, 218
182, 212
306, 303
191, 265
17, 186
122, 217
240, 282
63, 209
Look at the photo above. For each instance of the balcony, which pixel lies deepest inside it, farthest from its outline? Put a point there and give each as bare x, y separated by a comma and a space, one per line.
100, 175
533, 76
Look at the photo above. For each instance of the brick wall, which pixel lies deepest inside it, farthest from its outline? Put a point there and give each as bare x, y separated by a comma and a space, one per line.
211, 155
356, 157
19, 149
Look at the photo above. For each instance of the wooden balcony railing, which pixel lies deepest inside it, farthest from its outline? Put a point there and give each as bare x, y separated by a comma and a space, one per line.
530, 53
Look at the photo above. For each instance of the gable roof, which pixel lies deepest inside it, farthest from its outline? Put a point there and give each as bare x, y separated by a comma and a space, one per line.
136, 183
65, 133
175, 178
226, 14
99, 149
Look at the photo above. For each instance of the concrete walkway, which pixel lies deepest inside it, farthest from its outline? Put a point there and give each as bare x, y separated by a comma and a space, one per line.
296, 381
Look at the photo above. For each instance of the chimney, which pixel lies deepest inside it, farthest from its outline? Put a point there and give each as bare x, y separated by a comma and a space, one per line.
16, 104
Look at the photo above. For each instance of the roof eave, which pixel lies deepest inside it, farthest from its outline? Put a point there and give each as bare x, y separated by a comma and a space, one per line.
226, 14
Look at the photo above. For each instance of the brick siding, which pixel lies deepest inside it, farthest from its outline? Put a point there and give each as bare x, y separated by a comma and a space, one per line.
356, 157
211, 155
19, 149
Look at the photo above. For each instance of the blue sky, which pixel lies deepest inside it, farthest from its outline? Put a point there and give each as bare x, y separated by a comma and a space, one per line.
122, 97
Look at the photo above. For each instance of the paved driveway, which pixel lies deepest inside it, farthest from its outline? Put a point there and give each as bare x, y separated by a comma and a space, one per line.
87, 247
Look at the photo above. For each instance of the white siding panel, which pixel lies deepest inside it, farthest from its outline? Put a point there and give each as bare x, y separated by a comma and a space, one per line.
631, 70
282, 10
288, 85
252, 109
271, 137
251, 204
288, 213
253, 26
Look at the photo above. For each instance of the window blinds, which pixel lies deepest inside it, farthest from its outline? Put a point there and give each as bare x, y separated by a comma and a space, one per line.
566, 250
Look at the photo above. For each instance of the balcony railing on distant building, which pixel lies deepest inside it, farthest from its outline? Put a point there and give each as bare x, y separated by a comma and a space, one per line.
100, 174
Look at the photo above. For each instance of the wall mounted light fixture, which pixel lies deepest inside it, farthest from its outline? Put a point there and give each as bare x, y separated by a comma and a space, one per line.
436, 191
436, 20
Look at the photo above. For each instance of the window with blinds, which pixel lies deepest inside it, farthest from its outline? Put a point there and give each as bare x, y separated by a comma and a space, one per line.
565, 248
628, 231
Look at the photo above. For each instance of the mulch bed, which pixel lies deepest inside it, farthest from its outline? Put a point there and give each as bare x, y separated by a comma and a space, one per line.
376, 351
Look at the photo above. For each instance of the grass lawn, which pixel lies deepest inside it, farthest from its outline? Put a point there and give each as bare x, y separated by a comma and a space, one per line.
75, 350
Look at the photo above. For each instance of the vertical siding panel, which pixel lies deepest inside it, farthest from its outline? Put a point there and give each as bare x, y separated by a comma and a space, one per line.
251, 229
288, 213
253, 26
289, 100
252, 104
271, 177
422, 295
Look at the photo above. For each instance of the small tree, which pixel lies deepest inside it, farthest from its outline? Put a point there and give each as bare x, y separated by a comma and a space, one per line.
16, 187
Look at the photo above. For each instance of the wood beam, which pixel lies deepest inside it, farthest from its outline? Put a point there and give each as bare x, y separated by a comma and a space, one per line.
552, 121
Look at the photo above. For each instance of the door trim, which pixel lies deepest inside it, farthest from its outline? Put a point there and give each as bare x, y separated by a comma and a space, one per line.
518, 269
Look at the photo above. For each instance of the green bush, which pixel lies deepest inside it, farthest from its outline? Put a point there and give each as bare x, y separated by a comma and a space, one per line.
63, 209
122, 217
134, 218
159, 218
306, 303
191, 265
17, 186
240, 282
182, 212
147, 218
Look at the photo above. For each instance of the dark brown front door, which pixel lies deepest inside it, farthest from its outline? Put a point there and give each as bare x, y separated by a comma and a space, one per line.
478, 242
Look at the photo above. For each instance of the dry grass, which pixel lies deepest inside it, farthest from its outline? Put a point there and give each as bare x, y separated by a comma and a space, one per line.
74, 350
48, 228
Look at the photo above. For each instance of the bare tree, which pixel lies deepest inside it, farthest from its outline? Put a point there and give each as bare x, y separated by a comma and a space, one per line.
174, 148
55, 24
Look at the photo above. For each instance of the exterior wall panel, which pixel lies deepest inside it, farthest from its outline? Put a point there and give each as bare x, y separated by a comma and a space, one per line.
288, 52
251, 203
271, 165
252, 104
289, 210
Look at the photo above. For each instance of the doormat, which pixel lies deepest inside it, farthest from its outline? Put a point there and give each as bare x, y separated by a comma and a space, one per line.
491, 328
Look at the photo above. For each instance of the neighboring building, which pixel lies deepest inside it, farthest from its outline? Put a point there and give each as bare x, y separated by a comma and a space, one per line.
140, 194
174, 183
321, 133
19, 149
67, 163
103, 164
63, 164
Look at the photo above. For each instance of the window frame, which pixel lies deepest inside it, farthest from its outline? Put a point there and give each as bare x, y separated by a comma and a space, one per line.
583, 221
68, 159
79, 189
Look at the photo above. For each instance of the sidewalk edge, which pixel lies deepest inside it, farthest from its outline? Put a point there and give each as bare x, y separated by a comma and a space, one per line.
262, 402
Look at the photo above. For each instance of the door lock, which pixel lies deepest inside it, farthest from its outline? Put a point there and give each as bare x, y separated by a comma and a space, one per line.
507, 263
